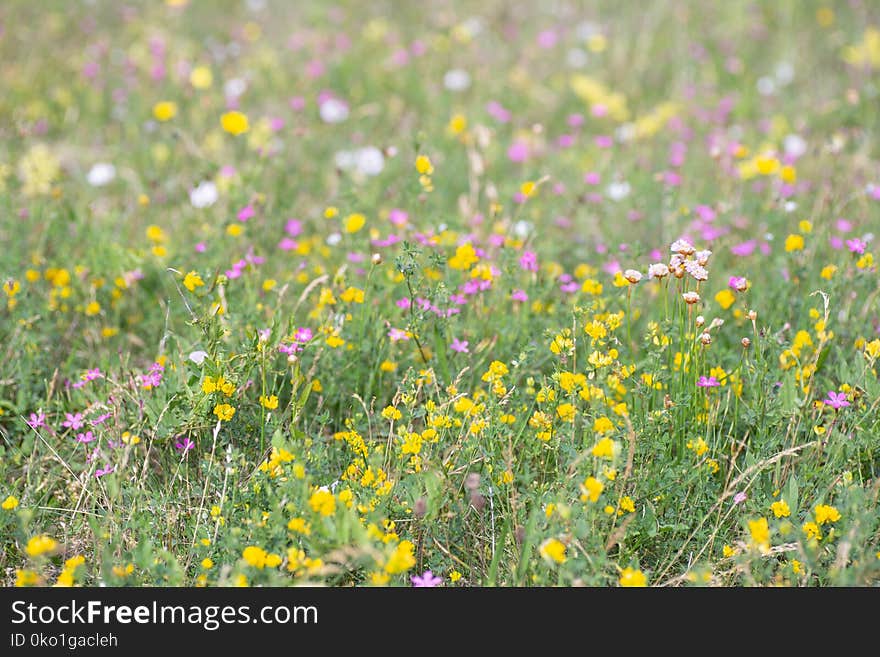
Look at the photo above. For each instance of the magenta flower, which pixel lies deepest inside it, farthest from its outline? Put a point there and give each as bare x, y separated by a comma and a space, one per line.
107, 469
246, 212
519, 295
836, 400
303, 334
85, 438
856, 245
35, 421
74, 421
708, 382
529, 261
397, 334
460, 346
426, 580
101, 419
185, 445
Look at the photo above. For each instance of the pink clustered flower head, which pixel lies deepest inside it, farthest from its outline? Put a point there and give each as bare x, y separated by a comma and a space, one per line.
529, 261
836, 400
738, 283
459, 346
152, 378
426, 580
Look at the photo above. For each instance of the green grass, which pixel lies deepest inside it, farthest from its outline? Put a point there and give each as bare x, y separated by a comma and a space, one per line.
571, 440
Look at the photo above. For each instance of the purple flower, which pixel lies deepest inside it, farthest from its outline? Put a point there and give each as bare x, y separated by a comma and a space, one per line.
101, 419
36, 420
185, 445
74, 421
708, 382
107, 469
303, 334
529, 261
426, 580
856, 245
85, 438
836, 400
460, 346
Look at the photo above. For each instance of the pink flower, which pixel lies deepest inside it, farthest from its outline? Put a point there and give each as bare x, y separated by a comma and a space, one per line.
426, 580
396, 334
74, 421
459, 346
293, 227
744, 249
519, 295
107, 469
708, 382
836, 400
739, 498
518, 151
246, 212
497, 112
529, 261
85, 438
398, 217
35, 421
185, 445
856, 245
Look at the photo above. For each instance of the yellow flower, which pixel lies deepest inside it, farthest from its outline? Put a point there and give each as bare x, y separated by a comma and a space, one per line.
192, 280
354, 222
300, 526
604, 449
26, 578
602, 425
165, 110
553, 550
270, 402
92, 309
780, 509
391, 413
725, 298
424, 166
255, 556
630, 577
457, 124
825, 513
224, 412
207, 563
760, 533
626, 505
9, 503
796, 567
566, 412
235, 123
528, 188
401, 559
41, 544
794, 242
201, 77
812, 531
465, 257
727, 551
323, 502
454, 576
592, 489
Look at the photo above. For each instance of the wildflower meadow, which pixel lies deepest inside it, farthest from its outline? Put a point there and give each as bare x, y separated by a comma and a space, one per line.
449, 293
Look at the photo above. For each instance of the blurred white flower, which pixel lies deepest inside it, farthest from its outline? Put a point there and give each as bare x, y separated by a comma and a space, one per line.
766, 86
235, 87
617, 191
370, 161
198, 357
101, 174
457, 80
333, 110
334, 238
204, 195
522, 228
794, 145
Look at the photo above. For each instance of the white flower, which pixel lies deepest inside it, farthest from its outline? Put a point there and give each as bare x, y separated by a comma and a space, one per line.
370, 161
235, 87
333, 110
794, 145
632, 276
100, 174
658, 270
784, 73
198, 357
522, 228
766, 86
682, 247
696, 270
576, 58
205, 195
702, 257
334, 238
457, 80
690, 297
617, 191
